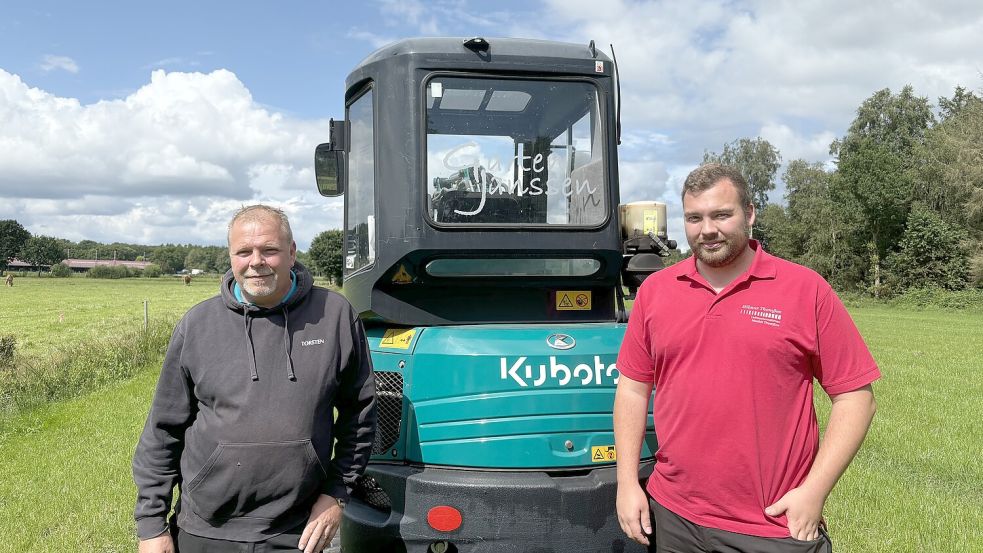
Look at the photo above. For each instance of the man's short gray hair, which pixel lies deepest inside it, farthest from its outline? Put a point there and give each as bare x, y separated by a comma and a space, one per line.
706, 176
261, 213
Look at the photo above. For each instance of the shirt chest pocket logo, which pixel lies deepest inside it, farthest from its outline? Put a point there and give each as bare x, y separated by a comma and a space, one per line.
761, 315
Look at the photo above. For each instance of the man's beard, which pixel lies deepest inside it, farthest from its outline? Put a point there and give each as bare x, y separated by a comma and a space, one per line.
260, 288
730, 249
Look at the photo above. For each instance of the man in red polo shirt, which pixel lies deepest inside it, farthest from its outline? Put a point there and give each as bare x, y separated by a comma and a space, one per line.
731, 339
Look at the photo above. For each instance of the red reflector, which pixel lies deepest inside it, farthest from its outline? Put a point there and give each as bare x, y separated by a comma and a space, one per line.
444, 519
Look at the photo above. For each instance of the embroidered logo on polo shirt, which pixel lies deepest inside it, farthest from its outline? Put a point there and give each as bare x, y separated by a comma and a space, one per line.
762, 315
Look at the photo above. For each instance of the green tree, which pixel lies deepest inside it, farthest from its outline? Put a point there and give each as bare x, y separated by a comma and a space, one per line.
304, 258
199, 258
61, 270
821, 232
897, 122
873, 180
876, 173
932, 254
948, 175
222, 262
41, 250
773, 222
169, 257
757, 160
89, 249
326, 255
961, 99
13, 236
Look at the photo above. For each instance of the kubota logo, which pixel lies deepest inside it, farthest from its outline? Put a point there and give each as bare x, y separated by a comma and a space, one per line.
560, 341
525, 374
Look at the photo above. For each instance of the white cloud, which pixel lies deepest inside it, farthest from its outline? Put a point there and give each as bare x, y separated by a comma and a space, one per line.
50, 63
797, 145
170, 161
150, 165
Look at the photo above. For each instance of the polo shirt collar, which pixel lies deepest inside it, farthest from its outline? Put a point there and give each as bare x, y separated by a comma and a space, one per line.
762, 267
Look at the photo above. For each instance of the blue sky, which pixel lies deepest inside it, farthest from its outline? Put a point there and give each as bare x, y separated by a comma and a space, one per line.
149, 122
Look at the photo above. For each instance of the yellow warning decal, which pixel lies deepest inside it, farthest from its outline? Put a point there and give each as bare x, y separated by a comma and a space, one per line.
650, 221
402, 276
603, 454
573, 300
398, 338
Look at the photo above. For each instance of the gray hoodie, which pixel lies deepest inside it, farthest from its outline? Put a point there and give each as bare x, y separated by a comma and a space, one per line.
242, 417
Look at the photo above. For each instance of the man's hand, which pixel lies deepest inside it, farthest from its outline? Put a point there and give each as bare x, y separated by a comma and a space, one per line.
161, 544
633, 512
803, 509
321, 525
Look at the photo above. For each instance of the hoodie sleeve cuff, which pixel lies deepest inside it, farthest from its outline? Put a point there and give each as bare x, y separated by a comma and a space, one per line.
151, 527
335, 489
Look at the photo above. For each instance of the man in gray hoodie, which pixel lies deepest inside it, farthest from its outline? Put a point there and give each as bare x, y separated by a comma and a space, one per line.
243, 417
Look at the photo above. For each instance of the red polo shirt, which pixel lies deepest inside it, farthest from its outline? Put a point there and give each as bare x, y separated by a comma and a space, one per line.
733, 377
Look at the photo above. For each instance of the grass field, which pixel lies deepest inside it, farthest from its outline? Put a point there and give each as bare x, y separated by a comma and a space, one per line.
916, 486
45, 312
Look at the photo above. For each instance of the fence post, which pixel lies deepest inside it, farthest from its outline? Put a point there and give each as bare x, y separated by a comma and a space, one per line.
146, 318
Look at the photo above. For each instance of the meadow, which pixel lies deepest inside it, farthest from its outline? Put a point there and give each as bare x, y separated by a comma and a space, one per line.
916, 485
46, 312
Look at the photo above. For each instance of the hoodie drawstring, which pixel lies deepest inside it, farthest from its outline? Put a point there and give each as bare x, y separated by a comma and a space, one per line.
247, 327
286, 344
252, 348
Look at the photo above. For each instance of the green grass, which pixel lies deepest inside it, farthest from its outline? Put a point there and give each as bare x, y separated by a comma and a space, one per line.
65, 482
916, 485
74, 335
43, 313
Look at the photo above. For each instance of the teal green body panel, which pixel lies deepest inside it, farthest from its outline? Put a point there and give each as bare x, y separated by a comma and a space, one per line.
499, 397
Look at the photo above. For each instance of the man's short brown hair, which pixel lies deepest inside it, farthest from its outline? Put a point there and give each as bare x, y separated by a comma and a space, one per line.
706, 176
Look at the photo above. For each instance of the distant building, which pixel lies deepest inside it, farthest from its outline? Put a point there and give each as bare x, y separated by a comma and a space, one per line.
83, 265
78, 265
25, 266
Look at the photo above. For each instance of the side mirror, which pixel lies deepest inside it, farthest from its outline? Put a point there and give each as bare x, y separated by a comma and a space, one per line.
329, 161
329, 169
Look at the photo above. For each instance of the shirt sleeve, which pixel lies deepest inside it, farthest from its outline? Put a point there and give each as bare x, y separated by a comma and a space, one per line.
635, 356
843, 362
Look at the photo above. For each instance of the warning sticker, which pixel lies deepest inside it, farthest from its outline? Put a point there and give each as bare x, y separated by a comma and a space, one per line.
398, 338
573, 300
650, 221
401, 276
603, 454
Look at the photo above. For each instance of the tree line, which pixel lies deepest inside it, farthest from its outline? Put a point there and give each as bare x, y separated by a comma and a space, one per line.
16, 242
900, 207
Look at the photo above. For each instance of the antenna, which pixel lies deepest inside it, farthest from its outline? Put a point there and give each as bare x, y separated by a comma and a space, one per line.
617, 104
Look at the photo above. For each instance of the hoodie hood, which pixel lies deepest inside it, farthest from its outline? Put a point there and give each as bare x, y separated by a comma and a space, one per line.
303, 282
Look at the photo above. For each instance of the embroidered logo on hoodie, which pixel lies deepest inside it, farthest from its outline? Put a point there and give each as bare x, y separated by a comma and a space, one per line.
314, 342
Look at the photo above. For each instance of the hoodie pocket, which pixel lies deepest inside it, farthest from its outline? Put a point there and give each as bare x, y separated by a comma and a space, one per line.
255, 480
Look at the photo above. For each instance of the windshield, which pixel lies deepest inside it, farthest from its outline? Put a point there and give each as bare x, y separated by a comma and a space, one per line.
511, 151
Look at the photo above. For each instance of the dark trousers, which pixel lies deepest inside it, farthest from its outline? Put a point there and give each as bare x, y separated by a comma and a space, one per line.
189, 543
674, 534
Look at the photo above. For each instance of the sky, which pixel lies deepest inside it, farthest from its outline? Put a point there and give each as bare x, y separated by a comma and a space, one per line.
151, 122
